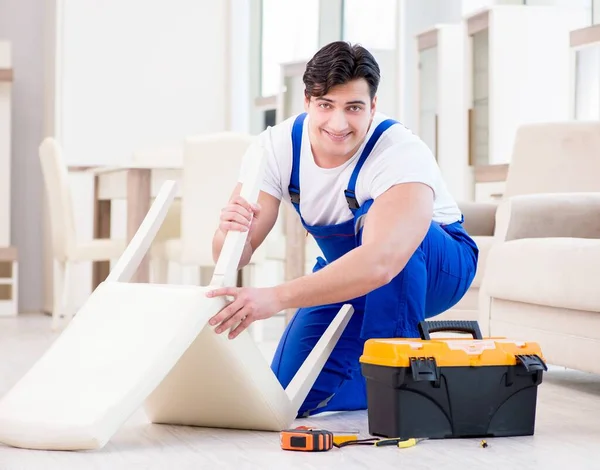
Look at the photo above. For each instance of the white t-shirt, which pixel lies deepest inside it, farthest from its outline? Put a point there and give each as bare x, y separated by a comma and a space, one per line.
398, 157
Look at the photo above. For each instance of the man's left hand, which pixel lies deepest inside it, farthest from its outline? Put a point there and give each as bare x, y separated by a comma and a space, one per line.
248, 305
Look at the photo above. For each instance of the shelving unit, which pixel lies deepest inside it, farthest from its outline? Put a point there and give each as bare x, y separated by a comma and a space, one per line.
442, 104
518, 66
9, 290
8, 253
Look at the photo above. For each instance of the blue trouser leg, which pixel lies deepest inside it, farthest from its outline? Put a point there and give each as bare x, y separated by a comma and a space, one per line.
341, 376
451, 266
435, 278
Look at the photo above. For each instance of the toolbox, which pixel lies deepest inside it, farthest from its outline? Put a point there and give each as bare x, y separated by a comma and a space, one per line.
452, 386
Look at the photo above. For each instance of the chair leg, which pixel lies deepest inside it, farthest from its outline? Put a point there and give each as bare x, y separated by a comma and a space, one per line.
190, 275
62, 310
58, 281
257, 329
160, 271
67, 299
15, 287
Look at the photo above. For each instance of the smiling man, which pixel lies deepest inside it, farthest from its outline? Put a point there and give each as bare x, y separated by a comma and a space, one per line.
371, 194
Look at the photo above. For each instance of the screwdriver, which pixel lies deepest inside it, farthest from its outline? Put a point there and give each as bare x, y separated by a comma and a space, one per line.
377, 442
401, 443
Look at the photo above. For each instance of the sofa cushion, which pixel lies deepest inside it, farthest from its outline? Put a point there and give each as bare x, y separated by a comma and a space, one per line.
567, 337
556, 272
484, 244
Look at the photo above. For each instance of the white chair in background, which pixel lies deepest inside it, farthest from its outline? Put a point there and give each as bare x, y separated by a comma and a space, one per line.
66, 248
211, 166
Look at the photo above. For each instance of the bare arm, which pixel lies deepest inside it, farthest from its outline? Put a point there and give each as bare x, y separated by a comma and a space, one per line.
240, 215
395, 226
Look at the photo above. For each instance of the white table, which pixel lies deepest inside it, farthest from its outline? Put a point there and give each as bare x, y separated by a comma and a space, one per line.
138, 183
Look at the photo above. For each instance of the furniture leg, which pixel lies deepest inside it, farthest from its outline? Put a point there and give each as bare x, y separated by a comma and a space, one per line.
58, 278
102, 212
138, 205
295, 246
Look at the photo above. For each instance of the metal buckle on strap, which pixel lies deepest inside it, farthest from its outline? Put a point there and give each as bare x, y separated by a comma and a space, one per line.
351, 199
294, 195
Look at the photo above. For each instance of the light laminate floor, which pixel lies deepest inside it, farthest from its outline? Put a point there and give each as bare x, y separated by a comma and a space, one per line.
568, 431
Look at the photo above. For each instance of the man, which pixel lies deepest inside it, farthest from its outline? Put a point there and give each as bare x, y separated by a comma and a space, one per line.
372, 195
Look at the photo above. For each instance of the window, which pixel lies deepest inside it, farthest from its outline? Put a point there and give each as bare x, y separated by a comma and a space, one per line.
370, 23
133, 76
290, 32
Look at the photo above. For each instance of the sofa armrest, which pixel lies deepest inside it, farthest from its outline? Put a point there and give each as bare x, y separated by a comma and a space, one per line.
480, 218
574, 215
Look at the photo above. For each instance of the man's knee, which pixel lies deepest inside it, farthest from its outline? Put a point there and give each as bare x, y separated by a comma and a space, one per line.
341, 367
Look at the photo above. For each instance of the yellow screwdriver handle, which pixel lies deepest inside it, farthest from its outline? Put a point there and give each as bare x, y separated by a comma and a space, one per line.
407, 443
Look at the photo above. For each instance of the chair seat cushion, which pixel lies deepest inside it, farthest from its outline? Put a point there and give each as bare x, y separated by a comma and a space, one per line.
134, 344
101, 249
556, 272
170, 250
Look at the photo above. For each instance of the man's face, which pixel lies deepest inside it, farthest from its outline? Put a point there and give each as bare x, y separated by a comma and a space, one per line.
340, 120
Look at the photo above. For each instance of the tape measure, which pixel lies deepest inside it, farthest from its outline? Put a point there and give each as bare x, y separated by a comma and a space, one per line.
307, 440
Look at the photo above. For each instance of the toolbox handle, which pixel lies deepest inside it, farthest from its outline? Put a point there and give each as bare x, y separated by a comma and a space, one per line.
454, 326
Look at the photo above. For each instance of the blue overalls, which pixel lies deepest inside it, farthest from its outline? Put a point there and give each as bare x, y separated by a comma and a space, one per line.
434, 279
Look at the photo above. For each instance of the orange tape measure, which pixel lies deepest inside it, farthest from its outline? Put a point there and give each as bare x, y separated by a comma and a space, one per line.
307, 440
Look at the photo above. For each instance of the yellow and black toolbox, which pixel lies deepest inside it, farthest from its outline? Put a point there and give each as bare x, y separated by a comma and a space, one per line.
451, 387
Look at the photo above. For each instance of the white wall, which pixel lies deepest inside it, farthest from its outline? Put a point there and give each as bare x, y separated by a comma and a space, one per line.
133, 80
21, 22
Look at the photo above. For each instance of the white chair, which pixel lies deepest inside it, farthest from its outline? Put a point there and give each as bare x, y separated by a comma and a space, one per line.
136, 344
66, 248
211, 166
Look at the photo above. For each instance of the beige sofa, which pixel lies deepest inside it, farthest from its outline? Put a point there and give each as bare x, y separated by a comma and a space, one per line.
559, 157
542, 283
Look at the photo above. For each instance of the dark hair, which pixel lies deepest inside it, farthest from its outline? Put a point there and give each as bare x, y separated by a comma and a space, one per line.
338, 63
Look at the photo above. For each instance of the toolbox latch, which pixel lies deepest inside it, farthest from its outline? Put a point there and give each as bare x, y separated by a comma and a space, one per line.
531, 362
424, 369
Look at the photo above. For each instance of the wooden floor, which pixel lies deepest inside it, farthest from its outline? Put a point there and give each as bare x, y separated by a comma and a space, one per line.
568, 431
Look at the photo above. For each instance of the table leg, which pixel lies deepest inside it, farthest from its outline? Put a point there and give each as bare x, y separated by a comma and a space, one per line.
102, 210
138, 205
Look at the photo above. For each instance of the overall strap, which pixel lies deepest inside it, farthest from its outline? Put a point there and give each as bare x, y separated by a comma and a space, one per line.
294, 187
350, 192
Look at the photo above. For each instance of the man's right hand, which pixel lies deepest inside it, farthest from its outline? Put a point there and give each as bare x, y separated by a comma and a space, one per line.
239, 215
